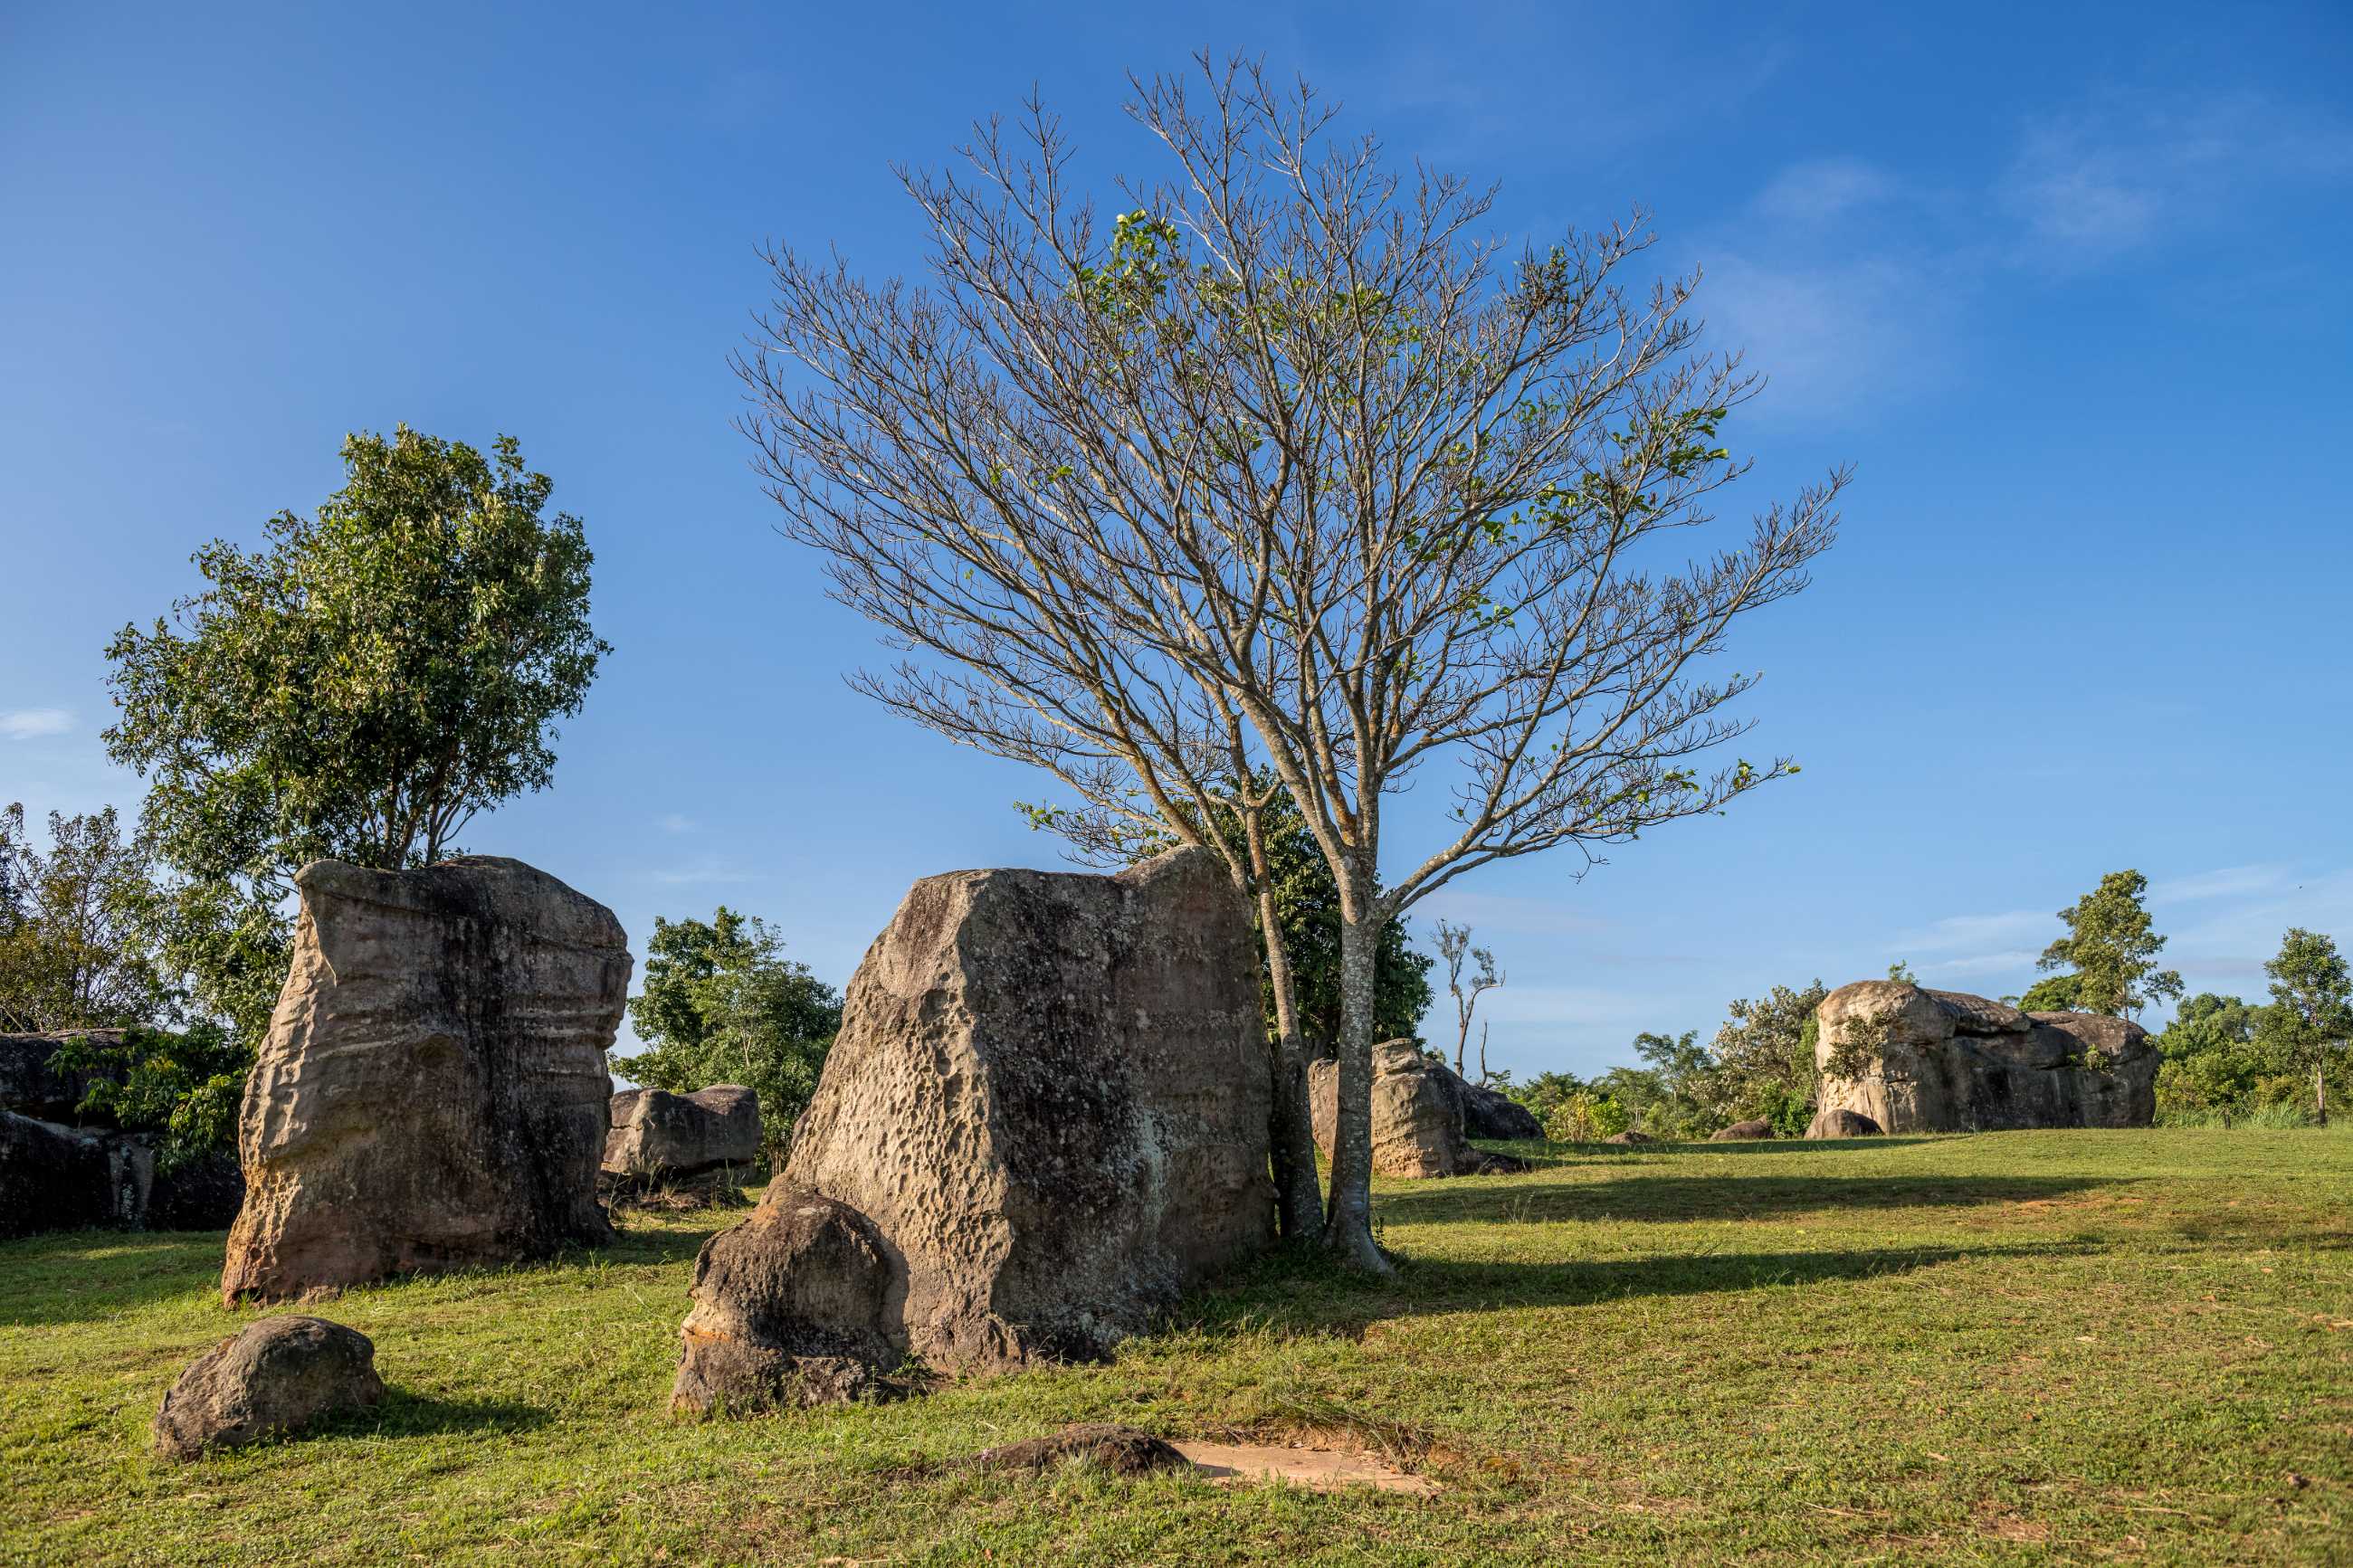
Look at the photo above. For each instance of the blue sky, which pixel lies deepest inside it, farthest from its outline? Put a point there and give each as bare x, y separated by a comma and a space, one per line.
2067, 285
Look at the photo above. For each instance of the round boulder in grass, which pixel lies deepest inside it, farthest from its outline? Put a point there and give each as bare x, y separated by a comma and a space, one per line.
277, 1377
1741, 1131
1837, 1122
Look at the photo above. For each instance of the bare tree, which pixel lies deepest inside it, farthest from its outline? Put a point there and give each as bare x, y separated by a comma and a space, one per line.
1285, 467
1454, 948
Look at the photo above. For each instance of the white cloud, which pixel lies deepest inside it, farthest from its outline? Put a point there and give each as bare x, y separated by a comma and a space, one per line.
2229, 882
673, 822
1821, 189
1957, 933
28, 723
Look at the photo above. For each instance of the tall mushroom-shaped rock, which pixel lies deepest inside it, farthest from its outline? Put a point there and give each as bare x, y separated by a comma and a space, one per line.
1916, 1060
1047, 1109
432, 1093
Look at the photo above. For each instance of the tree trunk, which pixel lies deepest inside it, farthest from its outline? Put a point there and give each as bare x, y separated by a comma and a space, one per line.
1299, 1197
2320, 1092
1348, 1224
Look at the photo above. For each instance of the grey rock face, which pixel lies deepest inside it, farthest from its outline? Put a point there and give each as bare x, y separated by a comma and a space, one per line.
277, 1377
30, 1087
1944, 1061
1491, 1113
433, 1093
1836, 1121
1419, 1114
1049, 1100
658, 1135
67, 1178
791, 1307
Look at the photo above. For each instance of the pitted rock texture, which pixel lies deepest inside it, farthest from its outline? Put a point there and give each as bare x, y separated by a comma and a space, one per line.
1944, 1061
277, 1377
657, 1135
791, 1307
1050, 1096
1418, 1122
433, 1093
1836, 1121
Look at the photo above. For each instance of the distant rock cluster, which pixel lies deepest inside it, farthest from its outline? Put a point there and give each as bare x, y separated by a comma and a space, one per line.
1945, 1061
1424, 1115
61, 1171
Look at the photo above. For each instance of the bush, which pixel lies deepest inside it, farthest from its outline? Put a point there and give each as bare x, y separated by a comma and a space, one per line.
1586, 1118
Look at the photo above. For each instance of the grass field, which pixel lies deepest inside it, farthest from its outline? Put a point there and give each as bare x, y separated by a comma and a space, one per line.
2023, 1347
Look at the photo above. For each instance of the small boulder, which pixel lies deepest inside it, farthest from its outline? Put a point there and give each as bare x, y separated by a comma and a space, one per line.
1121, 1450
1630, 1137
277, 1376
658, 1135
1837, 1122
790, 1310
1742, 1131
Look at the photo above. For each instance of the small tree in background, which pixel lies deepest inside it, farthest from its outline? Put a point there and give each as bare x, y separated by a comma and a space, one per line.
74, 954
2055, 994
2309, 1024
722, 1005
2110, 948
1454, 947
1761, 1062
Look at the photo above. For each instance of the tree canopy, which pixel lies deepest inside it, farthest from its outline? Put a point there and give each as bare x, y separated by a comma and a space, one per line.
73, 952
722, 1005
2110, 948
358, 688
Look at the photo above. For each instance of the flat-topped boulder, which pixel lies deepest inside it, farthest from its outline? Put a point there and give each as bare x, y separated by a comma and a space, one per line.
432, 1093
1047, 1108
657, 1135
1912, 1059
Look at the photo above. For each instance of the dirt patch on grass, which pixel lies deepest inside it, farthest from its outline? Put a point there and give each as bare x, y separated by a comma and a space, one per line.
1317, 1470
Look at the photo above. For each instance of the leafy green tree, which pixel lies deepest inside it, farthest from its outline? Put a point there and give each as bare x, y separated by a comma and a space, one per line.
184, 1084
1546, 1092
73, 954
2111, 948
2055, 994
722, 1005
359, 688
1761, 1062
2309, 1024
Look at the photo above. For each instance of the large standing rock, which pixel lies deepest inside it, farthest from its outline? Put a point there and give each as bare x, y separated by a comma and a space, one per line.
1418, 1115
1048, 1099
1944, 1061
433, 1091
657, 1135
278, 1375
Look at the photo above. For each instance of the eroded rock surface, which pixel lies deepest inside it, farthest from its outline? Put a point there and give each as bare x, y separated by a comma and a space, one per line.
1048, 1099
433, 1093
791, 1307
657, 1135
1420, 1116
277, 1376
1945, 1061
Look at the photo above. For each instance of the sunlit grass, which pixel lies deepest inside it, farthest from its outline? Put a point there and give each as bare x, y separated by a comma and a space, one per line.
2015, 1348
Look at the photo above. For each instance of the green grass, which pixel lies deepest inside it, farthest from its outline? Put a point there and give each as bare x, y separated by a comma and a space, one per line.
2015, 1348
